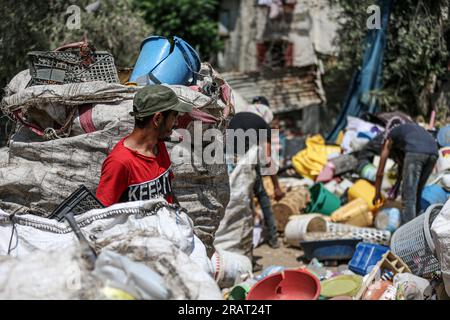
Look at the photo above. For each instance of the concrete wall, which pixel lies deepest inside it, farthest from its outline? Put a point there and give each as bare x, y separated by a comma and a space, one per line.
240, 49
310, 26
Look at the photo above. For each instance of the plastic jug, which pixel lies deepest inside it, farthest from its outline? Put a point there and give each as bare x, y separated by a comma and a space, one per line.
356, 213
364, 190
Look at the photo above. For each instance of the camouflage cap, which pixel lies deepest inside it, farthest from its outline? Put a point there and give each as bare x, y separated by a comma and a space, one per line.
157, 98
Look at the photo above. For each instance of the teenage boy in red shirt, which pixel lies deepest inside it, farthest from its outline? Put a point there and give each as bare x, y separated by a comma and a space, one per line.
139, 166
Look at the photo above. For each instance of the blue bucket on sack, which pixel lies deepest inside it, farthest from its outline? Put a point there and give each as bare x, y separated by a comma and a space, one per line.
432, 194
166, 60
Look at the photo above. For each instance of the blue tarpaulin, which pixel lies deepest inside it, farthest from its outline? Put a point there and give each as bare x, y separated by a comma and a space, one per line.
368, 77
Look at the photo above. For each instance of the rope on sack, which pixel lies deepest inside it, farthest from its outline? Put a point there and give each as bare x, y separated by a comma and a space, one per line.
50, 134
14, 230
63, 132
85, 220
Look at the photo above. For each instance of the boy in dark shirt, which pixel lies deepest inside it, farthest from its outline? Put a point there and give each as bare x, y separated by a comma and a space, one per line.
420, 153
250, 121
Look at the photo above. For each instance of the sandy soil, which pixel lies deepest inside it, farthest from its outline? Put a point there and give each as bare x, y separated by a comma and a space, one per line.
285, 255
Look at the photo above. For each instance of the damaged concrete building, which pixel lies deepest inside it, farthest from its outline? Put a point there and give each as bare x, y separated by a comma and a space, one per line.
273, 48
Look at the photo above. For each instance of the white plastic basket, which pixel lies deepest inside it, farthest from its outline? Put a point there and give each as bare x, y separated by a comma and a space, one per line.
414, 244
370, 235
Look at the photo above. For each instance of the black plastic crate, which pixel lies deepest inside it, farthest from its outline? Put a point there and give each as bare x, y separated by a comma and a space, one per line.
81, 201
60, 67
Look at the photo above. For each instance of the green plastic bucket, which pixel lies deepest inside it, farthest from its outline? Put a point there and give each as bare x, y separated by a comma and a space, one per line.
322, 200
240, 292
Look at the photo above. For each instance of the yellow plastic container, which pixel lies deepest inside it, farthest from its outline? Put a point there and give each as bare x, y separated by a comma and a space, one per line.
340, 137
364, 190
311, 160
356, 213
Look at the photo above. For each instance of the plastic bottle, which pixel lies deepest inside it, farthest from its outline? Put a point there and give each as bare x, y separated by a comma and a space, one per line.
380, 290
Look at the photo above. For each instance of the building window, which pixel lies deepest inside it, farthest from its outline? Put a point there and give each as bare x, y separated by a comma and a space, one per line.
275, 54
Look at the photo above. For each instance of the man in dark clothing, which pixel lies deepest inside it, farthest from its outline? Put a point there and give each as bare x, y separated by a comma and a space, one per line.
250, 121
373, 148
419, 155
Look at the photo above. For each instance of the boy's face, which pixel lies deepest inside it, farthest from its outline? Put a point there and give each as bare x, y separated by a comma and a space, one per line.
169, 123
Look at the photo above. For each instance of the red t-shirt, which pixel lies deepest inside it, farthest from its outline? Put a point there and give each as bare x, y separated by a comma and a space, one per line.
130, 176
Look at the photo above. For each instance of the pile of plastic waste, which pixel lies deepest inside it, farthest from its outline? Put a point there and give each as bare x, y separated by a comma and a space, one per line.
352, 248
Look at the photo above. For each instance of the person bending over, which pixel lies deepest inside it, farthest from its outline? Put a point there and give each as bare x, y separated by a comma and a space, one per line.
420, 153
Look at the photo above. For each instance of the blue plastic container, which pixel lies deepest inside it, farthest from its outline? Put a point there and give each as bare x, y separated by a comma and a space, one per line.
432, 194
388, 219
365, 257
443, 137
338, 249
157, 64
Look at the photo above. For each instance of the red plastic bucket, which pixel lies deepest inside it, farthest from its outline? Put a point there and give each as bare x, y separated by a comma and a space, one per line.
286, 285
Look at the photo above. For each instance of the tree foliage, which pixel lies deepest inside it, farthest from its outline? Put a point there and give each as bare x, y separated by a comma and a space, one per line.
114, 27
29, 25
33, 25
416, 56
195, 21
117, 26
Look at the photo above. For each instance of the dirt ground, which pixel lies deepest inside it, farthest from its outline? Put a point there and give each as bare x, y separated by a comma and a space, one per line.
285, 255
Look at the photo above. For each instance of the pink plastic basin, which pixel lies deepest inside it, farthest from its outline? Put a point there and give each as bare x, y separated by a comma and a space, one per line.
286, 285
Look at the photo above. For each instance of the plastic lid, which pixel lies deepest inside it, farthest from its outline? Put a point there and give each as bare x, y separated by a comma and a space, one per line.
344, 285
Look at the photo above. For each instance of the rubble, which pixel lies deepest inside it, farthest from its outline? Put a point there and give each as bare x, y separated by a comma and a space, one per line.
364, 235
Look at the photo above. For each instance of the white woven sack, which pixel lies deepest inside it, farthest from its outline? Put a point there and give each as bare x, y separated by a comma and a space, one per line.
440, 231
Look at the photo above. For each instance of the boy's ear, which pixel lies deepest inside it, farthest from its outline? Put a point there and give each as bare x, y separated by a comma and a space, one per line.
157, 118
